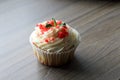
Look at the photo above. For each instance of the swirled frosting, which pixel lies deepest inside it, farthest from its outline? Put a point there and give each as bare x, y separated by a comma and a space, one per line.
54, 35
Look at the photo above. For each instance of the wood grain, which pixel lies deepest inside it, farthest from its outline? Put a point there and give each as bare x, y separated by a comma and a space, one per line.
96, 58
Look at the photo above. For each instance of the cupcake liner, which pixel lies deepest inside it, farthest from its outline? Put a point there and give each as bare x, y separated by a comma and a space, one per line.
52, 58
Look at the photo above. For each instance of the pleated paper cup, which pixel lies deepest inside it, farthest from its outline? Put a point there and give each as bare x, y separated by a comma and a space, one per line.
52, 58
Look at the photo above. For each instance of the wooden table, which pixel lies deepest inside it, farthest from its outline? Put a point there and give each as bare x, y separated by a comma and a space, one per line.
96, 58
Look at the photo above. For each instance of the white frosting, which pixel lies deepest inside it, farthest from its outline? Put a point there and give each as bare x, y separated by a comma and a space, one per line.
58, 44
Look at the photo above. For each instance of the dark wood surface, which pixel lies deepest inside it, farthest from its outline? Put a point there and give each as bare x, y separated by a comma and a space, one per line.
96, 58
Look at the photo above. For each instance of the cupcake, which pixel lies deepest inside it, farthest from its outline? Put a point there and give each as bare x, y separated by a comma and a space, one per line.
54, 42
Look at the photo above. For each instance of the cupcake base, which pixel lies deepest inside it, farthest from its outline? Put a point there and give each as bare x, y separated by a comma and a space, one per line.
53, 59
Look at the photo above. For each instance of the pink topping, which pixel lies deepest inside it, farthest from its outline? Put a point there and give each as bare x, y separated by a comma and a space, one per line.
62, 33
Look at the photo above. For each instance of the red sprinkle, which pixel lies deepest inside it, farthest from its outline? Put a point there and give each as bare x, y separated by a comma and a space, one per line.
52, 38
61, 34
65, 27
42, 28
57, 26
46, 40
51, 22
59, 22
66, 33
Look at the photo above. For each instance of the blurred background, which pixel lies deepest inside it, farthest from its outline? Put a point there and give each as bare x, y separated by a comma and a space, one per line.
97, 21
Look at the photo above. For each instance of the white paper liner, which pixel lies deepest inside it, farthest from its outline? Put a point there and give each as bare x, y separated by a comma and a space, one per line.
53, 59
